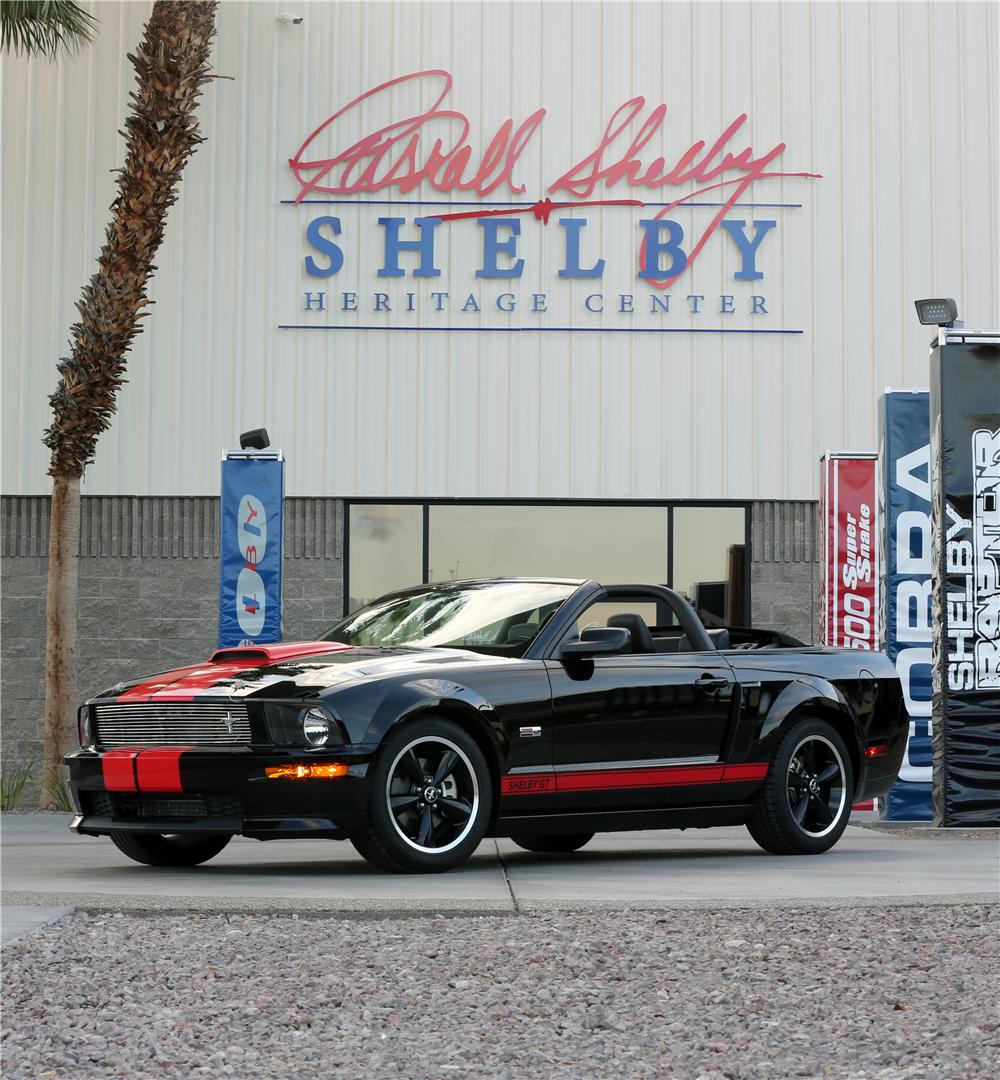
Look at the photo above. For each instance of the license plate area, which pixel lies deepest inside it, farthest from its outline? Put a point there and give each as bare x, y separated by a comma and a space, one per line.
145, 807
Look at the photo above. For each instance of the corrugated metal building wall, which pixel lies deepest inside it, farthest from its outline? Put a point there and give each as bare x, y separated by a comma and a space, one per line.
894, 104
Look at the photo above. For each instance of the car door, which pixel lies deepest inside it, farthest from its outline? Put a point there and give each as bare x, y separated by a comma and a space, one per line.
637, 731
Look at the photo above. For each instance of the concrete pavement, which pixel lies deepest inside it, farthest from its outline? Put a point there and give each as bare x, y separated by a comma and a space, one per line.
45, 864
17, 920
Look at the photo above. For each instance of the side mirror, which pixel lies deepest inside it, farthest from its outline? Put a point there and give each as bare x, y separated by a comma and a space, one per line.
598, 641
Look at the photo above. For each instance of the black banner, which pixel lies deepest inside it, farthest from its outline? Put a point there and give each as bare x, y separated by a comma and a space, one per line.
965, 506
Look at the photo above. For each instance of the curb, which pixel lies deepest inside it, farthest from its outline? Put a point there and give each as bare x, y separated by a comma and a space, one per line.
319, 908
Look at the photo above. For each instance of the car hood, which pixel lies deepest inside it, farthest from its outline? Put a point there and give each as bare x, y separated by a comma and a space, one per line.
284, 669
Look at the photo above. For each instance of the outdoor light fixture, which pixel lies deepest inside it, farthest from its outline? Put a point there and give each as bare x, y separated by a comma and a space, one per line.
255, 440
936, 312
288, 17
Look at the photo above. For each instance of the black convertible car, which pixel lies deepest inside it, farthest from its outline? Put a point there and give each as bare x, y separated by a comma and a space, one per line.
545, 710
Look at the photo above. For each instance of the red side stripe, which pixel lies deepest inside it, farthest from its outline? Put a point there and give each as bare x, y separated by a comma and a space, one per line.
118, 768
751, 770
160, 769
664, 776
610, 779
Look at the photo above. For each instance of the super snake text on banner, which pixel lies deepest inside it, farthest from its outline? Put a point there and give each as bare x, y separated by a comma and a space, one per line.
848, 596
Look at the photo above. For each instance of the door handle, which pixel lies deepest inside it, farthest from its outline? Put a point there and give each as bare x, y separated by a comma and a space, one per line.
711, 682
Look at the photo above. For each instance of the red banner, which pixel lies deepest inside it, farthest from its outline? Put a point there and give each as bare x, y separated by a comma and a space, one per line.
849, 608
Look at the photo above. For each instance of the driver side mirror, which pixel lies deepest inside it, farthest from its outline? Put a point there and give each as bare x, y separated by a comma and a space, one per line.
598, 641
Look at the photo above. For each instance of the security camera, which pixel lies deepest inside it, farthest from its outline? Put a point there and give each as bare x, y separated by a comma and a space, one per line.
288, 17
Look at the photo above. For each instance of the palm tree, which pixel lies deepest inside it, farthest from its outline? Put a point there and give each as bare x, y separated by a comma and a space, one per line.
43, 27
161, 133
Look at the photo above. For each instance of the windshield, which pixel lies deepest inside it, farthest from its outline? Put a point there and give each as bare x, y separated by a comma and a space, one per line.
501, 617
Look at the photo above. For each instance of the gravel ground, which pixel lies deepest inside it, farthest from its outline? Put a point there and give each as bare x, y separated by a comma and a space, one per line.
851, 993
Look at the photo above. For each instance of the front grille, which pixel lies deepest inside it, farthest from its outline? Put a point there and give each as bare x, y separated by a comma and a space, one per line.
171, 724
140, 807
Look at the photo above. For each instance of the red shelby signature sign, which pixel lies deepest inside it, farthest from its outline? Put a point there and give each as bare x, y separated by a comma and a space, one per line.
417, 149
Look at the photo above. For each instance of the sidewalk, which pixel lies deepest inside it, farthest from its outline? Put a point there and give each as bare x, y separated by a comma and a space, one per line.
44, 864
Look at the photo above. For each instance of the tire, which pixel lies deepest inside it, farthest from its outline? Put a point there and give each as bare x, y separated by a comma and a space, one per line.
170, 849
430, 799
557, 843
806, 799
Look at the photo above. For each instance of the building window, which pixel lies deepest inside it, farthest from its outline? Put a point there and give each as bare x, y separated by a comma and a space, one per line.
700, 550
709, 553
385, 550
597, 542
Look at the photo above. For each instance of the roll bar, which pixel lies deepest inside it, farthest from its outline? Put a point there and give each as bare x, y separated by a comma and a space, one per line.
591, 592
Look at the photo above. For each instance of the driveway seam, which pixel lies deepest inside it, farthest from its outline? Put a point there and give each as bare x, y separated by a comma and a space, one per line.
506, 877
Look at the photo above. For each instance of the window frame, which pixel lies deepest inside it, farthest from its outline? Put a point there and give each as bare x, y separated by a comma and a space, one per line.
668, 504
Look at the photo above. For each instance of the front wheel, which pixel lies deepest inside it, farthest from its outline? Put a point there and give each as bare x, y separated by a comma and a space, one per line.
557, 843
170, 849
805, 802
430, 799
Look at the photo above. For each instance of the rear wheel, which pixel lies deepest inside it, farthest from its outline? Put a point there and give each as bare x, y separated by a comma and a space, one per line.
805, 802
559, 842
430, 801
170, 849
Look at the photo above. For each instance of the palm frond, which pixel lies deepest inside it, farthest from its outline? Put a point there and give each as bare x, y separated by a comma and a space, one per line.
44, 27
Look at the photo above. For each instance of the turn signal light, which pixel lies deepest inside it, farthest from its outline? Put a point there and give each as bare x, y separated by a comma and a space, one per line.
877, 750
305, 772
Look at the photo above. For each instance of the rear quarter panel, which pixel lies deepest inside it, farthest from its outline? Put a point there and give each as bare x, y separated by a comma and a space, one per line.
857, 692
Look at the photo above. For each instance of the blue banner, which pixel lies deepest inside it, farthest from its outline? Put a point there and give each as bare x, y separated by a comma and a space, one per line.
905, 495
253, 492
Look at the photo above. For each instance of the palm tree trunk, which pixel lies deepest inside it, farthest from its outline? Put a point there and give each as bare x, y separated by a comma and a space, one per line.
59, 735
161, 133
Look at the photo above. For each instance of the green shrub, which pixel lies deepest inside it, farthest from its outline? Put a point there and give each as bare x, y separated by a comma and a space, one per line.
13, 779
59, 792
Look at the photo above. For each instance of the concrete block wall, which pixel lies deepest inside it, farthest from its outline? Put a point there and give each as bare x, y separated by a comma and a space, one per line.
784, 568
148, 594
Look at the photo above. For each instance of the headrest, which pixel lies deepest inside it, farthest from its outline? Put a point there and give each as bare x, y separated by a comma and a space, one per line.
642, 639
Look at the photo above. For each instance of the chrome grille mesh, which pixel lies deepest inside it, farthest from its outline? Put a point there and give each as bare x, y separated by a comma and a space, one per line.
171, 724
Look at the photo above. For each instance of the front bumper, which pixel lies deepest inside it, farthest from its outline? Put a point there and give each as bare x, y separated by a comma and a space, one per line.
179, 789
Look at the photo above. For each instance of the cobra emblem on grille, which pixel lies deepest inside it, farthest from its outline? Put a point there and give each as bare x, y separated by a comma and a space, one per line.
230, 722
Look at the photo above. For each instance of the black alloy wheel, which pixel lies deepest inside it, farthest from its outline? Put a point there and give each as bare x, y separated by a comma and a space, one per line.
557, 843
430, 799
170, 849
805, 803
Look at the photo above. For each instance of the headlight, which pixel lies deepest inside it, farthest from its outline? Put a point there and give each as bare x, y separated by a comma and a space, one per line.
83, 726
316, 727
295, 724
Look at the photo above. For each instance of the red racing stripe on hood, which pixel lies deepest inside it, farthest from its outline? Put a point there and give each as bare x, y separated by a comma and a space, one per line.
188, 683
159, 769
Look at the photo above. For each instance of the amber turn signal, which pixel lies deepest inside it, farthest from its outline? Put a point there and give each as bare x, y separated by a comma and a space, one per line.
305, 772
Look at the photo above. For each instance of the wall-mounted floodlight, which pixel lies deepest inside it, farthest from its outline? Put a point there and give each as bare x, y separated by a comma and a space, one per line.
936, 312
255, 440
288, 17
